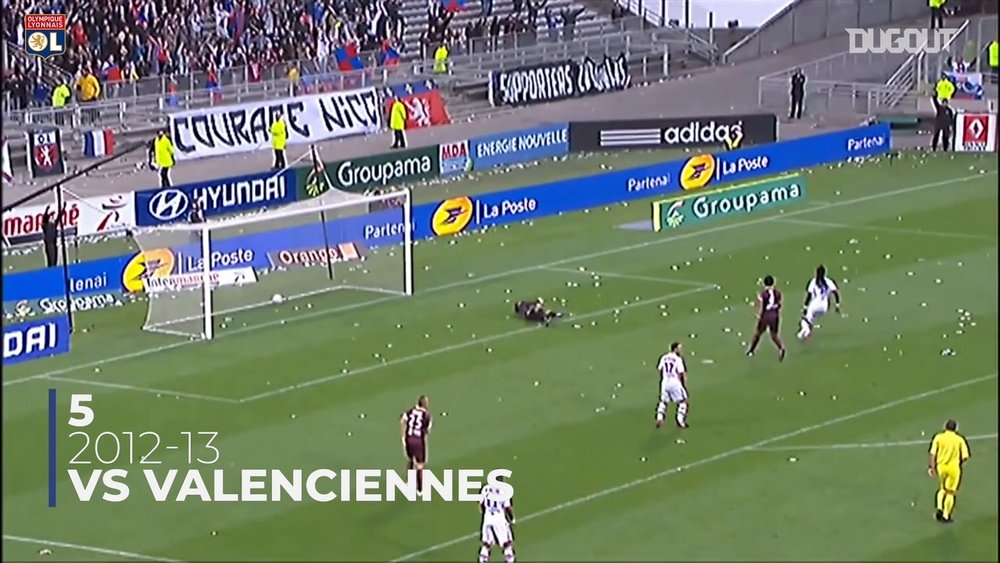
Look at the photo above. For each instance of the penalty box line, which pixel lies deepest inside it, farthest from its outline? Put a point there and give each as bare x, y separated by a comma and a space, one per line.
711, 459
622, 276
510, 272
866, 445
471, 342
86, 549
141, 389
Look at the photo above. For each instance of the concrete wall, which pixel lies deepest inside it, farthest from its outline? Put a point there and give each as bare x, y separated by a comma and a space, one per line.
805, 21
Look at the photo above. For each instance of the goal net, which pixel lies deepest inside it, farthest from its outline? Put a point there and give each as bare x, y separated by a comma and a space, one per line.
203, 278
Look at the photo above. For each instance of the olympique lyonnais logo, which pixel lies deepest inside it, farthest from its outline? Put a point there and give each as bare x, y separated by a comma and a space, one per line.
45, 34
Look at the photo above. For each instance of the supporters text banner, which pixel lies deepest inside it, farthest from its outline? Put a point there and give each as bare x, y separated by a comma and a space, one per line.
243, 128
549, 82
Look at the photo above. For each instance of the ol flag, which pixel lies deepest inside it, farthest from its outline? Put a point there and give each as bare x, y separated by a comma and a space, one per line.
99, 142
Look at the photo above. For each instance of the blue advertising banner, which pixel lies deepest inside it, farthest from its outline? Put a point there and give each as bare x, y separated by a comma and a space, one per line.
217, 197
35, 339
85, 278
519, 146
455, 215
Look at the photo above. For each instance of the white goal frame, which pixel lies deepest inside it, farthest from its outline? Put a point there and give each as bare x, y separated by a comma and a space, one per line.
314, 207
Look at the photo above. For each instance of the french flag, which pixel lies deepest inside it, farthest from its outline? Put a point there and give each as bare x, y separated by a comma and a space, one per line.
99, 142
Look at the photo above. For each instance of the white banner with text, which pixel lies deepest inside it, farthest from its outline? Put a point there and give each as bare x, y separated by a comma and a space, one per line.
243, 128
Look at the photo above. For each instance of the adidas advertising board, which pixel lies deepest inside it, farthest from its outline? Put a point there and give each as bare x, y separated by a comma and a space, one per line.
243, 128
976, 132
549, 82
728, 132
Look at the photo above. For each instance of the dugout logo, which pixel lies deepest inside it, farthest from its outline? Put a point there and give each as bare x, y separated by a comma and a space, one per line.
452, 216
698, 172
157, 263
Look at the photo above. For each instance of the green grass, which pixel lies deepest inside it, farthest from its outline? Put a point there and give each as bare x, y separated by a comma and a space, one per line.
569, 409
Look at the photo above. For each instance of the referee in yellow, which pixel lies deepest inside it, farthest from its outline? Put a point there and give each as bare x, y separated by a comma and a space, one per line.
949, 452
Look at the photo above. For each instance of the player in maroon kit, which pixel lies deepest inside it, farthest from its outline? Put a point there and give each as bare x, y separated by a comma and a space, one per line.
414, 426
768, 318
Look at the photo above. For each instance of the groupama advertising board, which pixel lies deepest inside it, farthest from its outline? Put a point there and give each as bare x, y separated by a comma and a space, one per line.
460, 214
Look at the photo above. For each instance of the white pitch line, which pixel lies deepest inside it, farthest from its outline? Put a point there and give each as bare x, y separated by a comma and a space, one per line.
708, 460
87, 549
511, 272
897, 230
864, 445
675, 281
467, 343
149, 390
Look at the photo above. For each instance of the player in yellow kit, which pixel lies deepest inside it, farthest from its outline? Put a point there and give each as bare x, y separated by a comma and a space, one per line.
949, 452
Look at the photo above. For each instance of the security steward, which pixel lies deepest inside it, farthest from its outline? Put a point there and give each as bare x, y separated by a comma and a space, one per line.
994, 55
937, 13
163, 150
798, 94
60, 95
944, 89
944, 118
441, 60
279, 139
397, 122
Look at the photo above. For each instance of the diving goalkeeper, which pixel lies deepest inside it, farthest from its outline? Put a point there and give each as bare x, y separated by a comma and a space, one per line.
535, 311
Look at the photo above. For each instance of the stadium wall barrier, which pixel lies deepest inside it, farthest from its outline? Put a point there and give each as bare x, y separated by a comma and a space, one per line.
456, 215
35, 339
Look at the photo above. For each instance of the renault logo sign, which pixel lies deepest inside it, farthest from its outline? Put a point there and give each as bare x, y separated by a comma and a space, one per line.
168, 204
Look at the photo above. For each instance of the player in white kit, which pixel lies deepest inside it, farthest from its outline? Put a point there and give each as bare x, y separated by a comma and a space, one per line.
818, 294
673, 385
498, 520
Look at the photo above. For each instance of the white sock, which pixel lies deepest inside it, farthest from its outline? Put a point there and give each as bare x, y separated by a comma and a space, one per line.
682, 411
661, 411
804, 327
508, 554
484, 554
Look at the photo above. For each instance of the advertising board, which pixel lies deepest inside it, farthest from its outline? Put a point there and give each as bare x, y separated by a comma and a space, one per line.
234, 129
219, 197
35, 339
741, 199
504, 149
722, 132
385, 226
976, 132
79, 216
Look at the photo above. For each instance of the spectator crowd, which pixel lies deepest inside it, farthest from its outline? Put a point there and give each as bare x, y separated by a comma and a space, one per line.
123, 41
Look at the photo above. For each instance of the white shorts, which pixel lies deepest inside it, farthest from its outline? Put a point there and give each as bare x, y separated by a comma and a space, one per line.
497, 533
673, 392
816, 309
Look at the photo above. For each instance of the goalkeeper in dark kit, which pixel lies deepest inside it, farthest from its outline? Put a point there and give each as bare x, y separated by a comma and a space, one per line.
534, 311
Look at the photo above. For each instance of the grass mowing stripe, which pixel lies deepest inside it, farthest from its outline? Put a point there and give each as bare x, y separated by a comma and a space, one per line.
707, 460
877, 229
655, 279
467, 343
865, 445
87, 549
507, 273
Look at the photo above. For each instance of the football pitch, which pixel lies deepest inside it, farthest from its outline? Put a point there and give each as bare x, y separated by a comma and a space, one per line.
821, 457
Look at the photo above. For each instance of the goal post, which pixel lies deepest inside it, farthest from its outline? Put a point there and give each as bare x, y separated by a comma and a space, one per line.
199, 276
